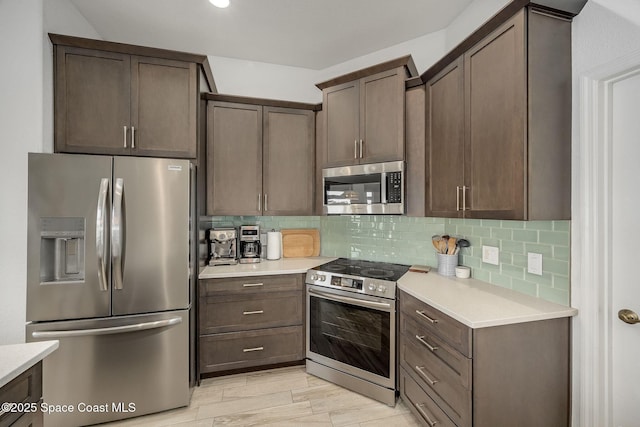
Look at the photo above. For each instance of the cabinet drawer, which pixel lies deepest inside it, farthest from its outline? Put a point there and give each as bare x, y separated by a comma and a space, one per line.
251, 284
437, 323
26, 389
227, 313
221, 352
421, 404
452, 363
442, 383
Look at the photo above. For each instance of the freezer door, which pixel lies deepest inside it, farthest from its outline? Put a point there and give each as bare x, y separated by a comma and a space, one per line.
114, 368
68, 263
150, 235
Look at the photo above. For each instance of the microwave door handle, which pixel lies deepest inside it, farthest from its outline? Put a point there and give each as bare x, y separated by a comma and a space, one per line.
101, 230
383, 188
118, 242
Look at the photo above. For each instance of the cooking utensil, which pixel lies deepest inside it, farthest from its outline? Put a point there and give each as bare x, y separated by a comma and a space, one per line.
451, 245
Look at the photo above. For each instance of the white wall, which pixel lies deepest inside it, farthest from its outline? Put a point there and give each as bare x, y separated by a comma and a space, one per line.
476, 14
26, 125
262, 80
603, 32
20, 132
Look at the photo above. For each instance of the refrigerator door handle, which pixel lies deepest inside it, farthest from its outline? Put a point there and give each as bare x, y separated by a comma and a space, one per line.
107, 331
118, 235
101, 229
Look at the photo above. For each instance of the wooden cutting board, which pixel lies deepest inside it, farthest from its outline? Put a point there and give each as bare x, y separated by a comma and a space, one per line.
300, 242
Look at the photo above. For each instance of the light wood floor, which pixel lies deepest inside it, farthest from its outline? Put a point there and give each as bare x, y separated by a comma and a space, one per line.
278, 397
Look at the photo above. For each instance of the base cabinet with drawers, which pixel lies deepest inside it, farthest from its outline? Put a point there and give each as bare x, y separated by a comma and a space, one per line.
246, 322
25, 392
510, 375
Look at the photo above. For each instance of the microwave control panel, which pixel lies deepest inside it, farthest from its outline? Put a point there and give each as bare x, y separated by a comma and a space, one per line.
394, 187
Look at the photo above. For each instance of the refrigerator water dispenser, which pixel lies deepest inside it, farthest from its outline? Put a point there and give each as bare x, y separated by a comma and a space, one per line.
62, 250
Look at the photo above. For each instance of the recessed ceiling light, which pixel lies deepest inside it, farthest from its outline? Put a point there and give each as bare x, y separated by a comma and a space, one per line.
220, 3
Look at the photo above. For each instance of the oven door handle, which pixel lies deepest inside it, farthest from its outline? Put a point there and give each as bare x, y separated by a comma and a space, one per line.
355, 301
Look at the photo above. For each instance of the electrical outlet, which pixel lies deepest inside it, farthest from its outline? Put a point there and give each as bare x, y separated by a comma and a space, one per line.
491, 255
534, 266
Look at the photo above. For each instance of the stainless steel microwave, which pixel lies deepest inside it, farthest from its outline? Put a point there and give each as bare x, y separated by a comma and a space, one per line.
376, 188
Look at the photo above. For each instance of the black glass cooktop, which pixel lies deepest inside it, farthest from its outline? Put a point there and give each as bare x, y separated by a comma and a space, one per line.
370, 269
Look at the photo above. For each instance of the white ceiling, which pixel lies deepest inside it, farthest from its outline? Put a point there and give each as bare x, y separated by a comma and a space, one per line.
313, 34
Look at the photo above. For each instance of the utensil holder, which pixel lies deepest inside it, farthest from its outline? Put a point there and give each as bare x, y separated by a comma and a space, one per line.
447, 264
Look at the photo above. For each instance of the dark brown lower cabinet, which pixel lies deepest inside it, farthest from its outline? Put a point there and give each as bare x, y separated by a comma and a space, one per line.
26, 392
510, 375
245, 322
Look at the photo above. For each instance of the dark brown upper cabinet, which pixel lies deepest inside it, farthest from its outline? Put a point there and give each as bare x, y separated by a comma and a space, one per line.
260, 157
120, 99
364, 114
498, 123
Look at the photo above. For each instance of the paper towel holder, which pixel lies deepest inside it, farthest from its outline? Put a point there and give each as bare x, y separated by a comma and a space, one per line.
274, 245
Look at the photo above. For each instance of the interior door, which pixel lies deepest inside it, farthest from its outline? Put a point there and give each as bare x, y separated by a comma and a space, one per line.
67, 244
624, 252
150, 235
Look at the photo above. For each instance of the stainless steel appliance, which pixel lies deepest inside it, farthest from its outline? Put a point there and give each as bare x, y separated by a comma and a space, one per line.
108, 275
351, 325
250, 246
223, 246
376, 188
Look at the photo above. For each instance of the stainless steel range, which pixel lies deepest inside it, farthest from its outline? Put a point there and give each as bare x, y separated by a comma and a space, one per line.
351, 324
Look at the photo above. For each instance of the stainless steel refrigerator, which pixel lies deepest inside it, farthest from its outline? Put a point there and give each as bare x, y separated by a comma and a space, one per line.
108, 275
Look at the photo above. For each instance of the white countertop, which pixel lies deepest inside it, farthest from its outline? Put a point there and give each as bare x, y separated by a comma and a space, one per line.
479, 304
264, 268
17, 358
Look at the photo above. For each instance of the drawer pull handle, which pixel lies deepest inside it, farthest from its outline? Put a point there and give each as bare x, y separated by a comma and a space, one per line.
423, 412
247, 350
252, 285
252, 312
426, 344
421, 313
420, 370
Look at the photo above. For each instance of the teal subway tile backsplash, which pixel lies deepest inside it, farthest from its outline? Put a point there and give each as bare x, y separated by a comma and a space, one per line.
407, 240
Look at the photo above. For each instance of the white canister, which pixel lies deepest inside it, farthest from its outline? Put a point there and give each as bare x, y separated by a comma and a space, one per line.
274, 245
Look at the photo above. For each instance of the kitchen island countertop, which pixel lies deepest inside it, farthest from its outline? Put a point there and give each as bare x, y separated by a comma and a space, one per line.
479, 304
17, 358
264, 268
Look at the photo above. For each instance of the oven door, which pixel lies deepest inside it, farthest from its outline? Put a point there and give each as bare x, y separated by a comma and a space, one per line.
352, 333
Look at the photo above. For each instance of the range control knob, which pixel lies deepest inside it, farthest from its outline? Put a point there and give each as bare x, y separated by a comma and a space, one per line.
322, 278
372, 287
382, 289
314, 277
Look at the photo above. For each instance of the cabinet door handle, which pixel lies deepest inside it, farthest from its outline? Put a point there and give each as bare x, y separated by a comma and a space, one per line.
355, 148
423, 374
420, 408
426, 344
252, 285
265, 202
424, 316
248, 350
259, 202
361, 148
464, 197
133, 137
457, 198
124, 137
247, 313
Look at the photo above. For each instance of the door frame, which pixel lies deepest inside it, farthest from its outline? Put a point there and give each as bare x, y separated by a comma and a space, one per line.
591, 287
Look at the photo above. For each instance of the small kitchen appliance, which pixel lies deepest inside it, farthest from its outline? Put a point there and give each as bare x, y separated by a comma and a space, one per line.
223, 246
351, 325
376, 188
250, 246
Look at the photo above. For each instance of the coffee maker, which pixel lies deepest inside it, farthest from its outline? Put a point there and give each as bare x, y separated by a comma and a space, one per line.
223, 246
250, 246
